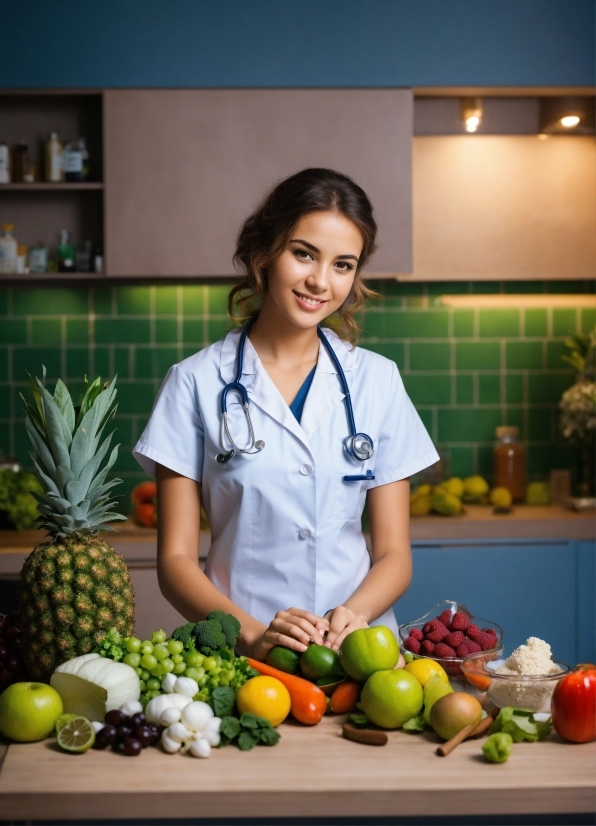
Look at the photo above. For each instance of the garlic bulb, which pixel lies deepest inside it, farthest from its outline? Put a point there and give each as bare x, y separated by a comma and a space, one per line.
158, 705
92, 685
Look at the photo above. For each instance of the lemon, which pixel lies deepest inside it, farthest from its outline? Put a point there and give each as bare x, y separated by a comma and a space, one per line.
423, 669
63, 720
76, 736
501, 498
421, 505
475, 488
454, 486
264, 697
445, 503
421, 490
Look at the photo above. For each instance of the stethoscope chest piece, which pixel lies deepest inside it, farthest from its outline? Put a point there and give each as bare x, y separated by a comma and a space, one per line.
360, 446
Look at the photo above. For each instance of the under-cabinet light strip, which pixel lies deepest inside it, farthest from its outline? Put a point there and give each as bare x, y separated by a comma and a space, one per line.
522, 300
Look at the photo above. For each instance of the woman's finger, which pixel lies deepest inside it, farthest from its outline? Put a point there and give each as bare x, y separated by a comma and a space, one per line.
291, 628
288, 642
303, 623
320, 623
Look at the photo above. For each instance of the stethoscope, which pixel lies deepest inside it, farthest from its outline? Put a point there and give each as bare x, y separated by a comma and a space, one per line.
359, 445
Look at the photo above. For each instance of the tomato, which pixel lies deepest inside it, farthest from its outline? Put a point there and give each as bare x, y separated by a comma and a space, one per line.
573, 705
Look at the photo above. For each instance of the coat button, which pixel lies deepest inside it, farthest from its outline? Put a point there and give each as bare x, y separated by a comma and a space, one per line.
304, 533
305, 470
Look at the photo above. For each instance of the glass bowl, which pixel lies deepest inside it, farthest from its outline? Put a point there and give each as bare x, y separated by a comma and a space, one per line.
452, 665
520, 691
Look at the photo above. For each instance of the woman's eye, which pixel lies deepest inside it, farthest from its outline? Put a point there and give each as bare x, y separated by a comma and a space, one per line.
303, 254
345, 266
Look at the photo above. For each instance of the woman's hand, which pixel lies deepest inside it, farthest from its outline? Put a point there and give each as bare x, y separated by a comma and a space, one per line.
293, 628
342, 621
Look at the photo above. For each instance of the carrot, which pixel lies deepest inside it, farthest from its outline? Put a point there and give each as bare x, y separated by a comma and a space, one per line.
345, 697
309, 704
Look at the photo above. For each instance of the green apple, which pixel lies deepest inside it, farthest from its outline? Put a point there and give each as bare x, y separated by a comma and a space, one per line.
28, 711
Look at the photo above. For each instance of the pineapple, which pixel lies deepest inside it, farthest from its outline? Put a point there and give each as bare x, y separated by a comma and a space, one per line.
74, 587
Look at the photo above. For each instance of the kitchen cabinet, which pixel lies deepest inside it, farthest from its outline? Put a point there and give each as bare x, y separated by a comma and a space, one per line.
184, 167
503, 207
542, 588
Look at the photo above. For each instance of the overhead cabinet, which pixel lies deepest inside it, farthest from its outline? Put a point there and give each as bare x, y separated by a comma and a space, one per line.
184, 168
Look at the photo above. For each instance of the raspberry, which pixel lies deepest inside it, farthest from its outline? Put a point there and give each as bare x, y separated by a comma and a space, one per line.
427, 626
472, 632
437, 631
472, 646
445, 617
444, 651
417, 634
462, 650
454, 639
459, 622
486, 641
490, 631
427, 646
412, 644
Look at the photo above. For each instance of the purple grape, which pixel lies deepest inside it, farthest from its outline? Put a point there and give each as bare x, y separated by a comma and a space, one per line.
13, 665
155, 733
104, 737
132, 746
11, 632
17, 645
3, 652
115, 717
5, 678
144, 735
138, 719
122, 732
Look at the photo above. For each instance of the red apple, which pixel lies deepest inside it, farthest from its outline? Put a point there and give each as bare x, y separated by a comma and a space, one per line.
573, 705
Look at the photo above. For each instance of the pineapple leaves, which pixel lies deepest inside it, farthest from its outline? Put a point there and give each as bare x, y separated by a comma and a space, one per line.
58, 434
64, 402
93, 390
42, 450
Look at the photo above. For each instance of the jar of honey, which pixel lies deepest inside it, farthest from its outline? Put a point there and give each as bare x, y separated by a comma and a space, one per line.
510, 462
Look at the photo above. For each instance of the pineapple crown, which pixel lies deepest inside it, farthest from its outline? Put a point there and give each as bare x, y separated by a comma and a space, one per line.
68, 455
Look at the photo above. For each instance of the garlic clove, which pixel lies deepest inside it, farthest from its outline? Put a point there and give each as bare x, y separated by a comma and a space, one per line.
169, 715
169, 745
196, 715
200, 748
179, 733
186, 686
168, 683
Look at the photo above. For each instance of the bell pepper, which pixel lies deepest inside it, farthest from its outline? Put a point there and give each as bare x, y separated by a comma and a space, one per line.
309, 703
498, 747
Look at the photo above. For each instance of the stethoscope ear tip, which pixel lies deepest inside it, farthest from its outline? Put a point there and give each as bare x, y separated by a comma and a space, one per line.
224, 458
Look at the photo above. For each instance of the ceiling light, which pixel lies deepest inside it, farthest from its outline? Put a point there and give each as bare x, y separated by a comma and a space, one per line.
567, 115
471, 113
569, 121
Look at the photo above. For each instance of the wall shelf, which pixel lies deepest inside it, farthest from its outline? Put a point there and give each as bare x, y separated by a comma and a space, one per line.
40, 186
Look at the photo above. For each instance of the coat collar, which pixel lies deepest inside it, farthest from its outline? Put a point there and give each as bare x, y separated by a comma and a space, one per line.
324, 395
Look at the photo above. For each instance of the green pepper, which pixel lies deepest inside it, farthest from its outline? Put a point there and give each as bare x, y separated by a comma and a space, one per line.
498, 747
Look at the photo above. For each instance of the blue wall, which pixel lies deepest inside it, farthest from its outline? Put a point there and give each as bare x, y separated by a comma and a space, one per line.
96, 43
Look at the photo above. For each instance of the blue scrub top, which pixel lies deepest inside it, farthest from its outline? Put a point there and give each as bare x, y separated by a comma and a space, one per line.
297, 405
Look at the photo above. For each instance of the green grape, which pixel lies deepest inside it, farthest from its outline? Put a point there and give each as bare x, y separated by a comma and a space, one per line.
158, 636
213, 682
200, 672
209, 663
194, 659
167, 665
160, 652
158, 671
148, 661
202, 681
143, 684
178, 658
203, 696
144, 675
153, 684
133, 644
139, 672
193, 673
132, 660
179, 668
224, 679
146, 647
214, 672
227, 666
175, 647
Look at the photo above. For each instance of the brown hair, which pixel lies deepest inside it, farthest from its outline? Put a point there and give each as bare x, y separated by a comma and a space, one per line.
265, 235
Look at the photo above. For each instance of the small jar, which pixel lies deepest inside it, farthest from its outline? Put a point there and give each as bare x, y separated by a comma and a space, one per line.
510, 462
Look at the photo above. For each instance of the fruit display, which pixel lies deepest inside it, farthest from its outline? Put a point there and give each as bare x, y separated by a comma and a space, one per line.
74, 587
18, 508
573, 705
449, 497
12, 664
144, 504
449, 632
202, 651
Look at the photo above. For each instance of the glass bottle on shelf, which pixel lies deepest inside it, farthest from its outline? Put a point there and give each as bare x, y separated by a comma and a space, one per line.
84, 158
8, 250
53, 165
4, 163
66, 254
20, 162
72, 161
38, 258
83, 258
510, 462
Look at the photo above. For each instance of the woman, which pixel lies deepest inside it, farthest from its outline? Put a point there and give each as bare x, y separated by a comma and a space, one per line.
285, 516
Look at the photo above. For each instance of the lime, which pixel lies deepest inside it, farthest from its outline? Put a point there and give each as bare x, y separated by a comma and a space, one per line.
389, 698
320, 661
76, 736
63, 720
283, 659
368, 650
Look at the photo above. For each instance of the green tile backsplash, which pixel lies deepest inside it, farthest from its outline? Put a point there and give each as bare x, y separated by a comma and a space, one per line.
467, 371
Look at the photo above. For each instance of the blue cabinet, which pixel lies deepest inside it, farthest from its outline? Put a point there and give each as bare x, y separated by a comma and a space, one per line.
541, 588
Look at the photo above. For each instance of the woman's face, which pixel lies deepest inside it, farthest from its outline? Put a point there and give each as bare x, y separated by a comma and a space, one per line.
313, 276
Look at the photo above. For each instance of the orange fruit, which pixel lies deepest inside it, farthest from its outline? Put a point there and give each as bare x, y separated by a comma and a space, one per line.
264, 697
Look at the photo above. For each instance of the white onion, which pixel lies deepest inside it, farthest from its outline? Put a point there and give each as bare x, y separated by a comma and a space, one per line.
168, 683
158, 705
195, 716
186, 686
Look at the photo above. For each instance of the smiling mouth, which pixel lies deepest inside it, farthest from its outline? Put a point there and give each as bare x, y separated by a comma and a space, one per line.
308, 299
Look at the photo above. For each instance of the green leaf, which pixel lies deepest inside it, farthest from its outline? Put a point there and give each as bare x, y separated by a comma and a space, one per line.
41, 448
64, 402
247, 740
359, 720
223, 700
415, 724
55, 429
262, 722
229, 728
269, 736
248, 720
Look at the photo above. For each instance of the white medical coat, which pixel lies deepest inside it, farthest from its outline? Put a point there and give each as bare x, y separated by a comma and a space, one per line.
285, 527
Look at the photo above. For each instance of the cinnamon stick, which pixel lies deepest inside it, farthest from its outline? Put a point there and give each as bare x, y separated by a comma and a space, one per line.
368, 736
466, 733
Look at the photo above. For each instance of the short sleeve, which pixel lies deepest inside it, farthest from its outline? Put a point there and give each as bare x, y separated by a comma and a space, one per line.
403, 446
174, 436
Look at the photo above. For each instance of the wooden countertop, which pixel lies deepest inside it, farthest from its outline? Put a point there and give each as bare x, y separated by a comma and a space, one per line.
311, 772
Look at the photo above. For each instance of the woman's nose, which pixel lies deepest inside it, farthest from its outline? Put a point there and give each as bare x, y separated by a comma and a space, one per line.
318, 277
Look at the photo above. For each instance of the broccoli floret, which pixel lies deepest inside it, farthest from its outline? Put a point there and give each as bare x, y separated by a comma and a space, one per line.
208, 634
185, 634
229, 625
